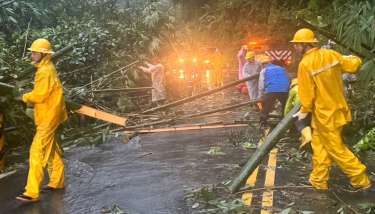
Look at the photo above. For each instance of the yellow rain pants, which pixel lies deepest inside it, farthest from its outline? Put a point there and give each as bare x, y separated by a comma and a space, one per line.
49, 112
328, 148
321, 92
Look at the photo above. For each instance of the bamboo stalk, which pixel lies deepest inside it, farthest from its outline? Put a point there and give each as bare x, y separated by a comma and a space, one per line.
62, 51
188, 116
10, 129
218, 110
270, 142
187, 128
26, 37
110, 74
122, 89
85, 110
189, 99
55, 56
146, 124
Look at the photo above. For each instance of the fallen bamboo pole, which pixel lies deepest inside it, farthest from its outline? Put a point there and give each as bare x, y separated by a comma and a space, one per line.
122, 89
187, 116
218, 110
110, 74
82, 109
55, 56
262, 151
10, 129
62, 52
189, 99
187, 128
146, 124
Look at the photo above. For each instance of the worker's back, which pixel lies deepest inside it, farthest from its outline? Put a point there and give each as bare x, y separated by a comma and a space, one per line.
275, 79
321, 86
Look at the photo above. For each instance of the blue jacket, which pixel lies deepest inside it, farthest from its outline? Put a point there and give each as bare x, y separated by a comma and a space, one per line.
273, 79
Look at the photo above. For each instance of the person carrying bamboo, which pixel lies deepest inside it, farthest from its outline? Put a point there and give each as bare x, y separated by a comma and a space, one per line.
241, 63
159, 92
321, 93
49, 112
252, 68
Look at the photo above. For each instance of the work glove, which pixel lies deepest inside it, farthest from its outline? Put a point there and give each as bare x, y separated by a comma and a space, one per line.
306, 137
303, 126
300, 115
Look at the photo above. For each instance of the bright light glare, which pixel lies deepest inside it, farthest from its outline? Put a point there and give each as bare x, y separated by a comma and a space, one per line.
181, 74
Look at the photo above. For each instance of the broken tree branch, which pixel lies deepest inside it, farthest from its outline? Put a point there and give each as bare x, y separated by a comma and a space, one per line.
189, 99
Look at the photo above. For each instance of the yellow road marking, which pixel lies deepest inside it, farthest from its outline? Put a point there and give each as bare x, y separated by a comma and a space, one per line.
267, 199
247, 197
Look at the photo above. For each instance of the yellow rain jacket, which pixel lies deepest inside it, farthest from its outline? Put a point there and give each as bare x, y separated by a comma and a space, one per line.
47, 96
321, 89
49, 112
321, 92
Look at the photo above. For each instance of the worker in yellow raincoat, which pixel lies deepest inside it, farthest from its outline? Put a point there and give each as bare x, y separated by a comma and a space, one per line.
321, 92
49, 112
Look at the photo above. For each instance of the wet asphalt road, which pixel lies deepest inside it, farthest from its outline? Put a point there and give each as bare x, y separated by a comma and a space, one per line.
149, 176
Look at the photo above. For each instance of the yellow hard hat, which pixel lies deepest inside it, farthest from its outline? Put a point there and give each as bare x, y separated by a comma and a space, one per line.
249, 55
41, 46
264, 58
304, 35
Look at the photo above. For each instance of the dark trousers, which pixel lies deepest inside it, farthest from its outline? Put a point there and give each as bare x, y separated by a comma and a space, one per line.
269, 100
